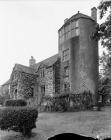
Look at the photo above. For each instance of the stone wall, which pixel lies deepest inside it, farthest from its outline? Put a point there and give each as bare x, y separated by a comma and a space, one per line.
49, 84
45, 82
22, 85
15, 76
57, 77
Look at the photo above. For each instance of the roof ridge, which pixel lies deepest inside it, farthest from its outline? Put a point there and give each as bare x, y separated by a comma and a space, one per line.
48, 61
79, 13
24, 66
47, 58
75, 17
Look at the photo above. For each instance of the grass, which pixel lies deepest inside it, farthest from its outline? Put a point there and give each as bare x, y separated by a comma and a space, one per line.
89, 123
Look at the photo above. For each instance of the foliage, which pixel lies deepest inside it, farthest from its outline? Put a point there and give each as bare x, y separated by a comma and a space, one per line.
103, 33
102, 90
4, 96
105, 28
20, 119
82, 101
102, 83
19, 102
26, 83
105, 63
62, 102
2, 100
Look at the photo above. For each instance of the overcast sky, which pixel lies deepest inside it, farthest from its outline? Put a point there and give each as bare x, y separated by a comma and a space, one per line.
30, 28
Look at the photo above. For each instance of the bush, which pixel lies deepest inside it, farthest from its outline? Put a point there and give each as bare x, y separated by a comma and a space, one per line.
20, 119
19, 102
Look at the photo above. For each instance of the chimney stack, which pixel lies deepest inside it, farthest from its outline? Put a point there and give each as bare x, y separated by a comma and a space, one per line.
32, 62
94, 13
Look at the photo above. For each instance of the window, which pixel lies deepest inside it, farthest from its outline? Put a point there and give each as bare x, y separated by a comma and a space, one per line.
65, 55
42, 73
77, 24
73, 33
77, 31
75, 28
66, 29
43, 89
66, 87
66, 71
62, 39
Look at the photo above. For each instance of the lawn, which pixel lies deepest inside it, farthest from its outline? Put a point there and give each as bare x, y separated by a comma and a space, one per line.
89, 123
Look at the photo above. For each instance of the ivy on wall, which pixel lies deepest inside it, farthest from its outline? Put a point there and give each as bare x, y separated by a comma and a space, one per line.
22, 83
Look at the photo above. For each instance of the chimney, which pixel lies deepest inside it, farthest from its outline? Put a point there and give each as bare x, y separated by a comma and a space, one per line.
94, 13
32, 62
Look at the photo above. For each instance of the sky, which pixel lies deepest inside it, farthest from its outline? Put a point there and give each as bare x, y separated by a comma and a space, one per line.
30, 28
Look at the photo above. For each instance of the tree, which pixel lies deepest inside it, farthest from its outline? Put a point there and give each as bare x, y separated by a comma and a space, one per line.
103, 33
105, 64
104, 29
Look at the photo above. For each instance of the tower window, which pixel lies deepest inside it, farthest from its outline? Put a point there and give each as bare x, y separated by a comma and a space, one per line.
75, 28
75, 24
65, 55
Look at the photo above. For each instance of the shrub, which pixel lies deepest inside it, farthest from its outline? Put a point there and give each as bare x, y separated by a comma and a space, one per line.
19, 102
20, 119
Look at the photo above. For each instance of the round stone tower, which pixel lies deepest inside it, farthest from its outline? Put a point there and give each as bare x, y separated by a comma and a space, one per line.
79, 54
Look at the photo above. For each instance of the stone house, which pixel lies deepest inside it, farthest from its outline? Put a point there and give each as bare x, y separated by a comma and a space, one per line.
73, 70
37, 80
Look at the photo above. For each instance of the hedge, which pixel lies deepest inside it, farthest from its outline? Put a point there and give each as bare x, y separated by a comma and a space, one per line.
18, 102
20, 119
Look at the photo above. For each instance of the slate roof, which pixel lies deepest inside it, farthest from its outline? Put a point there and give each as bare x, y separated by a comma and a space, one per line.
51, 60
48, 62
77, 16
80, 15
23, 68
